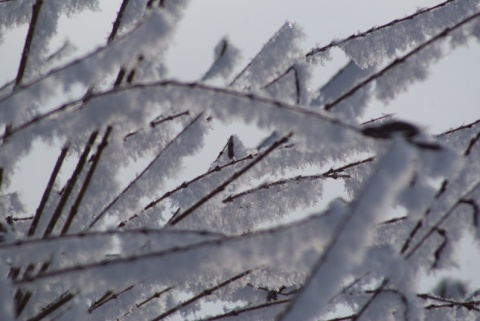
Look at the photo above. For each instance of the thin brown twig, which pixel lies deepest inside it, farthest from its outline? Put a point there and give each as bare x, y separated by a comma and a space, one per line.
442, 219
70, 184
236, 175
331, 173
154, 123
146, 169
28, 42
470, 305
336, 43
107, 297
137, 306
118, 20
399, 61
46, 193
236, 312
86, 183
441, 191
55, 305
186, 185
451, 131
204, 293
240, 74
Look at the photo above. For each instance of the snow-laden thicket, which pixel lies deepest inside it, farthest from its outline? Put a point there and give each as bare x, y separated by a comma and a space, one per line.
243, 232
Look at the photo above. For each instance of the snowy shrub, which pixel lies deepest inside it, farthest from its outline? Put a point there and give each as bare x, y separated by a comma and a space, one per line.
249, 234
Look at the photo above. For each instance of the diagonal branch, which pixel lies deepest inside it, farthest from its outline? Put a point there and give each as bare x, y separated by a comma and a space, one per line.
125, 190
28, 42
236, 312
118, 20
336, 43
86, 183
400, 60
442, 219
46, 193
107, 297
137, 306
70, 184
204, 293
331, 173
236, 175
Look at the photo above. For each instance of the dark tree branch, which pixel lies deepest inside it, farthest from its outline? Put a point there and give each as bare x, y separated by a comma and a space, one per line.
375, 294
451, 131
28, 42
46, 193
440, 248
70, 184
240, 74
476, 210
336, 43
125, 190
469, 305
107, 297
86, 183
400, 61
157, 121
331, 173
201, 295
118, 21
237, 312
236, 175
297, 81
442, 219
137, 306
55, 305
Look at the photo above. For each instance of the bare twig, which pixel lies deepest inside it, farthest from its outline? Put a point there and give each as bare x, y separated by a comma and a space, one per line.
117, 22
400, 60
297, 81
331, 173
467, 126
442, 219
46, 193
55, 305
236, 175
137, 306
70, 184
236, 312
240, 74
125, 190
204, 293
28, 42
336, 43
86, 183
107, 297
